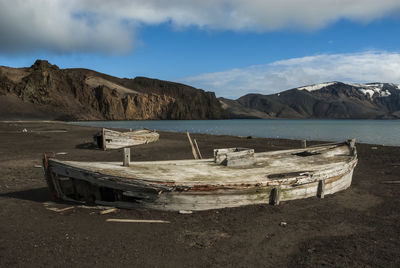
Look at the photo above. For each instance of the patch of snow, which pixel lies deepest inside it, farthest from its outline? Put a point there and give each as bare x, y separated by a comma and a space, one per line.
371, 89
316, 86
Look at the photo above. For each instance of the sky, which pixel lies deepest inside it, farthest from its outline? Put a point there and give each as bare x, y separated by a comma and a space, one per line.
231, 47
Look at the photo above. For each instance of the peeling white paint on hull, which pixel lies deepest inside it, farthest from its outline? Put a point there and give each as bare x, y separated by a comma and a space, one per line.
203, 184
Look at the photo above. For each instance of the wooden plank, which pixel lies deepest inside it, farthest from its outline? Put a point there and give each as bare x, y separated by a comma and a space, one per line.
198, 150
136, 221
191, 145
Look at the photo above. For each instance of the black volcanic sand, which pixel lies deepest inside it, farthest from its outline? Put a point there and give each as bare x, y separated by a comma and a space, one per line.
359, 227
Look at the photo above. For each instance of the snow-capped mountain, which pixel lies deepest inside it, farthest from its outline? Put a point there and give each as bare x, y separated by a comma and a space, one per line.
329, 100
371, 89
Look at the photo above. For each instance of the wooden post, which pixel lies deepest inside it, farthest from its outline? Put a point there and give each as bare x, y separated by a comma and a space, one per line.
191, 144
103, 139
321, 189
304, 144
127, 157
275, 196
197, 147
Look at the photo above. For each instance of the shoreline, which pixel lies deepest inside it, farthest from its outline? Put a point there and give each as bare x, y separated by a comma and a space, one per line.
354, 227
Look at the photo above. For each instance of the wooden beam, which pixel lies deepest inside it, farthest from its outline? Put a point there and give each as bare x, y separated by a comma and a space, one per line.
198, 150
191, 144
127, 157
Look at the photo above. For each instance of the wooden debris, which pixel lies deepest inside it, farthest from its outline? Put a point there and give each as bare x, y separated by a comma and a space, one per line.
391, 182
185, 212
198, 150
136, 221
107, 211
60, 209
37, 166
62, 153
374, 148
191, 144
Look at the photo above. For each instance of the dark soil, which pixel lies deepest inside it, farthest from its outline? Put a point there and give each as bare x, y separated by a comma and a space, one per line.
359, 227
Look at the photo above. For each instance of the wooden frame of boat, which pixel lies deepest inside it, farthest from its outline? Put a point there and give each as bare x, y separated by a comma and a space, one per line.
112, 139
225, 181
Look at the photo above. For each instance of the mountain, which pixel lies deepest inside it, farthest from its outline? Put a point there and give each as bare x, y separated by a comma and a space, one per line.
44, 91
333, 100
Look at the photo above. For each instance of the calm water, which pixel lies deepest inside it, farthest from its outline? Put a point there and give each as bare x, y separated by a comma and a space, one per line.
385, 132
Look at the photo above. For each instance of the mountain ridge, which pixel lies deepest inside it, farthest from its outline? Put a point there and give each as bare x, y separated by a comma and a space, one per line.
331, 100
44, 91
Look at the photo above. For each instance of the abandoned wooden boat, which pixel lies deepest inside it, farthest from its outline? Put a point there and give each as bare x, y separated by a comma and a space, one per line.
234, 177
111, 139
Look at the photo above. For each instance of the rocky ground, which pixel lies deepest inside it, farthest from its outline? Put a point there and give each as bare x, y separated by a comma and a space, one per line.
359, 227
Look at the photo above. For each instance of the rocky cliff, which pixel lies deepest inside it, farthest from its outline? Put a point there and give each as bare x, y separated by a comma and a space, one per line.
45, 91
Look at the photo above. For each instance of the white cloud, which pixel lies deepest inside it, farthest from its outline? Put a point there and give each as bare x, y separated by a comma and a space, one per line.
286, 74
109, 26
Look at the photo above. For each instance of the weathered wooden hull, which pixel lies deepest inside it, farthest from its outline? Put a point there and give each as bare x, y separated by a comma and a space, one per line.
203, 184
111, 139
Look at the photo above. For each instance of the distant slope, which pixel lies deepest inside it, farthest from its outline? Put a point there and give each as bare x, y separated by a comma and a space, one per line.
334, 100
235, 110
45, 91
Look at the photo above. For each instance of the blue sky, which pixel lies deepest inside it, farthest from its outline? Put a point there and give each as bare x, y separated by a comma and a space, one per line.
230, 48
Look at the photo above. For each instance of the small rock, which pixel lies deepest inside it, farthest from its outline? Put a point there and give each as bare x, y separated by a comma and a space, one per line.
24, 130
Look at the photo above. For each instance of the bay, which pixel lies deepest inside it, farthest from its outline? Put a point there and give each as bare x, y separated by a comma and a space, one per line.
382, 132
